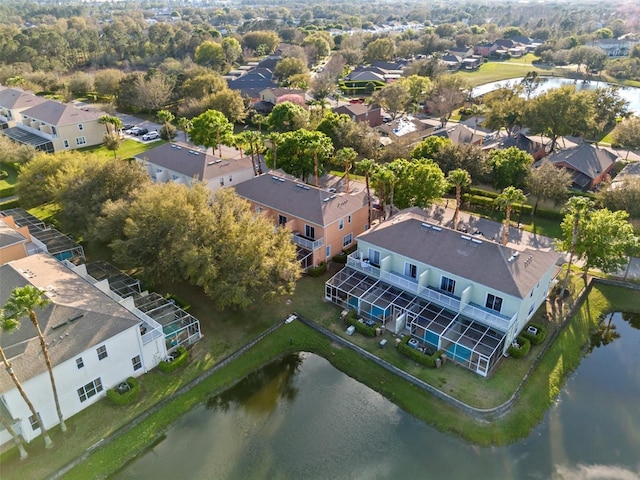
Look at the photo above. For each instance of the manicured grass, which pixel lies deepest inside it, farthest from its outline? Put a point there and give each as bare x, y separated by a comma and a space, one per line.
10, 181
128, 149
46, 212
493, 71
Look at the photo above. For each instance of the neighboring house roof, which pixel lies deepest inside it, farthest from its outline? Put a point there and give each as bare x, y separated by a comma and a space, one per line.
522, 39
56, 113
270, 62
460, 134
365, 76
631, 171
452, 59
10, 236
192, 163
300, 200
402, 126
585, 159
253, 82
13, 98
78, 318
356, 109
481, 261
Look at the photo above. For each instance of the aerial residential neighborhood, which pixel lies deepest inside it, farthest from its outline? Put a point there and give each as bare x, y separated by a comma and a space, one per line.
251, 239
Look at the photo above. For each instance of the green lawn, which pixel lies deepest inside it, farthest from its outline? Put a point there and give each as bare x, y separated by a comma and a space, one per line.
6, 184
128, 149
493, 71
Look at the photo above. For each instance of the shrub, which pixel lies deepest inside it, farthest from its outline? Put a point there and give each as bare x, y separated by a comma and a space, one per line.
418, 356
7, 191
3, 174
483, 193
317, 271
180, 357
10, 204
538, 338
127, 397
178, 301
340, 258
360, 326
522, 349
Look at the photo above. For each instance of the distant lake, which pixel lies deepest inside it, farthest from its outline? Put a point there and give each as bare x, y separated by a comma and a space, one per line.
300, 418
630, 94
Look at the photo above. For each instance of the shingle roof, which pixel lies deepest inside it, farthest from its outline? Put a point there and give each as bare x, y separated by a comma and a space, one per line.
56, 113
193, 163
481, 261
300, 200
253, 82
9, 236
14, 98
460, 134
586, 159
78, 318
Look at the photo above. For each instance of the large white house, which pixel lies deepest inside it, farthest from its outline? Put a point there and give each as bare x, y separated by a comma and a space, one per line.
452, 291
97, 337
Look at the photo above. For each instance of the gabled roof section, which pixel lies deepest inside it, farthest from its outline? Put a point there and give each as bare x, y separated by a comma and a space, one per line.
585, 159
56, 113
253, 82
300, 200
16, 98
508, 269
460, 134
355, 109
78, 318
193, 163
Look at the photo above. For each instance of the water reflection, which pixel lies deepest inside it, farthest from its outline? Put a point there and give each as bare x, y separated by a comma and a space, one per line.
605, 333
262, 390
302, 419
633, 319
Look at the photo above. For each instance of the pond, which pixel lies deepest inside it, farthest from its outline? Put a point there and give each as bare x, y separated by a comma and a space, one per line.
302, 418
630, 94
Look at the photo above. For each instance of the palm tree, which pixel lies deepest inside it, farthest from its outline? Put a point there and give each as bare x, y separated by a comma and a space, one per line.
275, 138
379, 177
458, 178
111, 120
253, 139
166, 117
8, 325
578, 207
184, 124
346, 156
505, 200
21, 303
366, 168
6, 423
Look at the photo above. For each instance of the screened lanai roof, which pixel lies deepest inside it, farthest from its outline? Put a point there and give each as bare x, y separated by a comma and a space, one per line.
161, 310
119, 282
28, 138
23, 218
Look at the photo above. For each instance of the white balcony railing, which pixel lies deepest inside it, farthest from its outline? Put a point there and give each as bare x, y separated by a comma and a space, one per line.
492, 320
363, 266
440, 298
306, 243
400, 281
36, 131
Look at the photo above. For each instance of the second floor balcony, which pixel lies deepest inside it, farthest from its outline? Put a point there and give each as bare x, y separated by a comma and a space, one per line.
305, 242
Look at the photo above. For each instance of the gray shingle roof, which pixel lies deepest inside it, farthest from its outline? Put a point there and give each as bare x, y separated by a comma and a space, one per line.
481, 261
17, 98
97, 317
193, 163
586, 159
56, 113
300, 200
9, 236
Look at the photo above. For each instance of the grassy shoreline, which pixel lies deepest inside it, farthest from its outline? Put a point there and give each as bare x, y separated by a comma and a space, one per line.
538, 393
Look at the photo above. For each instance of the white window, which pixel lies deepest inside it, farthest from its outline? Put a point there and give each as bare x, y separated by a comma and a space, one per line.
102, 352
327, 252
81, 141
90, 389
447, 284
79, 363
341, 224
410, 270
374, 257
310, 232
137, 363
66, 143
33, 421
531, 309
493, 302
347, 240
230, 178
80, 126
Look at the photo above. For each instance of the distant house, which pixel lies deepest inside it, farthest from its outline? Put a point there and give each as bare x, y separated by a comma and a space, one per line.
405, 127
472, 63
461, 135
47, 125
274, 95
253, 82
468, 296
486, 49
359, 112
615, 47
452, 62
369, 78
462, 52
630, 172
323, 221
180, 163
588, 164
533, 145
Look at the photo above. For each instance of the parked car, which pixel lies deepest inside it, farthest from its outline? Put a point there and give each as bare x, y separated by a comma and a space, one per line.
132, 130
141, 132
150, 136
127, 126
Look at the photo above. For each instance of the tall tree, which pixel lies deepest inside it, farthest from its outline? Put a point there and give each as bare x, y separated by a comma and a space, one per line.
287, 117
548, 182
459, 179
627, 134
112, 123
509, 166
577, 209
302, 152
447, 93
506, 200
23, 302
275, 139
394, 98
346, 157
504, 109
254, 140
210, 129
166, 117
366, 167
113, 141
430, 146
184, 124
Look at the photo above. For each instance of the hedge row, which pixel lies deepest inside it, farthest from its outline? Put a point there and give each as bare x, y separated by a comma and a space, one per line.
364, 329
538, 338
127, 397
418, 356
10, 204
487, 201
180, 357
522, 350
8, 191
317, 271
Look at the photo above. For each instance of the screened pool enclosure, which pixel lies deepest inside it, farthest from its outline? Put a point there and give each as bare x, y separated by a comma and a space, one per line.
466, 341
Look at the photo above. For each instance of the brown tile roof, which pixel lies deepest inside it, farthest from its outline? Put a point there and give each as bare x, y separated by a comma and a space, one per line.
481, 261
97, 316
193, 163
56, 113
299, 200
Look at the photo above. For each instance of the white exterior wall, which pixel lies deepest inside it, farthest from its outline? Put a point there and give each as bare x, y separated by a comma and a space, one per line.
230, 179
112, 370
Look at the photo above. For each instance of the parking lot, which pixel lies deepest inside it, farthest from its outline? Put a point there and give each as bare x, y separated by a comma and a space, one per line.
138, 122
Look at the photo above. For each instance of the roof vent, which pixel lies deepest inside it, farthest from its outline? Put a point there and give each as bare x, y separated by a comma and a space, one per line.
326, 199
476, 241
299, 185
464, 237
210, 163
437, 229
425, 225
281, 180
333, 196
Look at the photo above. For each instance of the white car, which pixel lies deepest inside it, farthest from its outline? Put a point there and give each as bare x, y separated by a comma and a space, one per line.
150, 136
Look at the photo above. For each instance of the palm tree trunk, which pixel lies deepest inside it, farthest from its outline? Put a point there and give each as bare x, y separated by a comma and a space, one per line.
16, 438
507, 222
346, 174
458, 201
45, 352
315, 166
574, 241
47, 440
219, 145
366, 179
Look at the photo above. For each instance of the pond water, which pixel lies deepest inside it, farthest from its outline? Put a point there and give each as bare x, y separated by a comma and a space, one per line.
630, 94
300, 418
